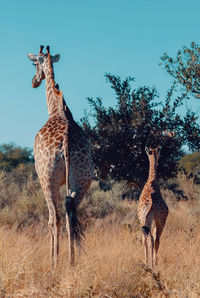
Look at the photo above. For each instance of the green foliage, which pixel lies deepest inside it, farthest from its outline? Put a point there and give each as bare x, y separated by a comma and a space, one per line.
185, 68
12, 156
191, 131
120, 133
190, 162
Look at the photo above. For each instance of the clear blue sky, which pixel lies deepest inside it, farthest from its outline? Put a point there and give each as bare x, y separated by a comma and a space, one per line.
123, 37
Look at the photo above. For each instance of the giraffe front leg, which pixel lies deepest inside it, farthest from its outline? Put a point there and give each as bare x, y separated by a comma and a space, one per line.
54, 225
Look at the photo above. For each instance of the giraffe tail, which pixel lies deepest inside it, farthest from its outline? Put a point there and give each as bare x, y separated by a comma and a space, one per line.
74, 224
145, 230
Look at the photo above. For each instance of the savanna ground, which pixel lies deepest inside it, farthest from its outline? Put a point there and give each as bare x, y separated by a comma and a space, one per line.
112, 261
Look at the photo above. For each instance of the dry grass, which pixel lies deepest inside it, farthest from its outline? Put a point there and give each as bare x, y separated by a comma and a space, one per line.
112, 264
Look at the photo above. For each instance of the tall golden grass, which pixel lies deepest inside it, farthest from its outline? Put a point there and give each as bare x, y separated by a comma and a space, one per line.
112, 262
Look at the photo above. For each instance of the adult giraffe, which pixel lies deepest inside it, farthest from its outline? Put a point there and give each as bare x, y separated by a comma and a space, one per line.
62, 155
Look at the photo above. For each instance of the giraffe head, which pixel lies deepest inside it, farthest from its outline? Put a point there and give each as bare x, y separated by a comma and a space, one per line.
43, 63
153, 154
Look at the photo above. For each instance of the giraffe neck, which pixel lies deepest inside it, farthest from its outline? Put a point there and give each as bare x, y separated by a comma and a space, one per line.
54, 96
152, 170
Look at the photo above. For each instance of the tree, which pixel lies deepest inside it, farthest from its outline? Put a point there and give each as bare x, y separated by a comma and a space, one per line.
190, 162
12, 156
185, 68
120, 134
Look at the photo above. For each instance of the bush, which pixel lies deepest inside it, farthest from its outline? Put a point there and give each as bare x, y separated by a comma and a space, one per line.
119, 134
190, 162
12, 156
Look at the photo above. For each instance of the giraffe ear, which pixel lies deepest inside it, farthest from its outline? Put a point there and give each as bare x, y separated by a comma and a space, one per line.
33, 57
55, 58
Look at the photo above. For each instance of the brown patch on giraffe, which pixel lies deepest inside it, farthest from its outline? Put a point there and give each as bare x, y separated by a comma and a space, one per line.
51, 141
43, 130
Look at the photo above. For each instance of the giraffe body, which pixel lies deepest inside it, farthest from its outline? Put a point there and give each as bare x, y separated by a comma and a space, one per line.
62, 156
152, 207
50, 161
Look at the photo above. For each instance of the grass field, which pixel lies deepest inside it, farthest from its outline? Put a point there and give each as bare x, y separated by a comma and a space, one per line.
112, 261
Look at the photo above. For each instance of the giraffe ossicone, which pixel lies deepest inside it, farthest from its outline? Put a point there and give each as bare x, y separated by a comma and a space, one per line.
62, 156
152, 207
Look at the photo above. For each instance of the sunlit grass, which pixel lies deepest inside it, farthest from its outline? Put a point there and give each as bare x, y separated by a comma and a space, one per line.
111, 264
112, 261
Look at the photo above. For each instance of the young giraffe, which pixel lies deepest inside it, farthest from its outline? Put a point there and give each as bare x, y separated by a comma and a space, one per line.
62, 155
151, 207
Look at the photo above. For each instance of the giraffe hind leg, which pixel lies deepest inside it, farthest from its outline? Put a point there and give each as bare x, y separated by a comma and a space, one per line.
144, 241
147, 238
160, 222
54, 226
148, 244
51, 194
158, 231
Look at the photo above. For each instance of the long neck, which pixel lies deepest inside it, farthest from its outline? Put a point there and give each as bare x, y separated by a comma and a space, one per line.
152, 170
56, 104
54, 101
